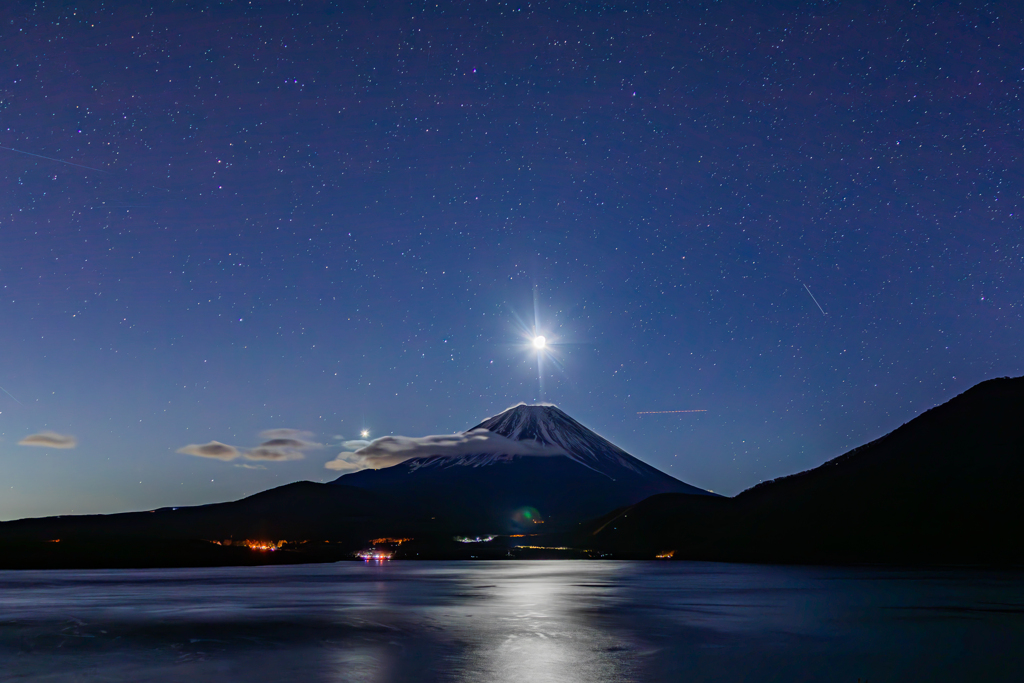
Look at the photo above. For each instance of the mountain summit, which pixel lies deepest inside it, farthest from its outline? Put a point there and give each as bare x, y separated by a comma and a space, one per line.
547, 425
542, 467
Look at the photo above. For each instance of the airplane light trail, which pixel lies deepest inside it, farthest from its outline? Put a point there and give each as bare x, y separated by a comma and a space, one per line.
666, 412
815, 301
59, 161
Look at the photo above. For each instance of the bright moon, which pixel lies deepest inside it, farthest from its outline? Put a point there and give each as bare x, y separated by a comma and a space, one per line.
539, 343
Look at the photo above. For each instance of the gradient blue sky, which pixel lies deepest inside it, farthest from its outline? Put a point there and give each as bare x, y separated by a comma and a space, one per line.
335, 216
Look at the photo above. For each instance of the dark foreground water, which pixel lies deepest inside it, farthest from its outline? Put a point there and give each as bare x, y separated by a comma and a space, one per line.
512, 621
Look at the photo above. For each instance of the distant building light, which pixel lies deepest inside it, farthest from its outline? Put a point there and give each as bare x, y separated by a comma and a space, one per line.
374, 555
475, 539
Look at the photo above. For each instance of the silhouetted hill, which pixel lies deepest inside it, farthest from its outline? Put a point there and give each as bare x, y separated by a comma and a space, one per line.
302, 510
944, 487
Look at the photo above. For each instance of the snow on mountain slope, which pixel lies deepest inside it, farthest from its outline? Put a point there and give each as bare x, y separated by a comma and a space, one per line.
523, 431
549, 426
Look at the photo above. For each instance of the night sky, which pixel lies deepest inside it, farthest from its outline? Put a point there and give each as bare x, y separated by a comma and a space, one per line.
222, 219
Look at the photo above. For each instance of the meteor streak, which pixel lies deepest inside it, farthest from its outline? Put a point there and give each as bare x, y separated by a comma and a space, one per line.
59, 161
11, 395
815, 301
666, 412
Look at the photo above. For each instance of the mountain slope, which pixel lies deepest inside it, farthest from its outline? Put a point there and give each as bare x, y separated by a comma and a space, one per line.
549, 426
498, 493
944, 487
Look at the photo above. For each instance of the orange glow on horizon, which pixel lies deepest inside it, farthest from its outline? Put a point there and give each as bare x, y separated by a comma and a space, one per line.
395, 541
262, 546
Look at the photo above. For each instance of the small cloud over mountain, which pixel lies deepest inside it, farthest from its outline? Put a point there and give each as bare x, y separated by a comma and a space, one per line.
339, 464
214, 449
392, 450
49, 440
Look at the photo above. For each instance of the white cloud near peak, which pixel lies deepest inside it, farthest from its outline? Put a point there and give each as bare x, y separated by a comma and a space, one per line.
393, 450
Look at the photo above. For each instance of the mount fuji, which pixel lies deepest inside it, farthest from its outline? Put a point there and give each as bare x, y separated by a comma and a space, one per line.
528, 470
568, 475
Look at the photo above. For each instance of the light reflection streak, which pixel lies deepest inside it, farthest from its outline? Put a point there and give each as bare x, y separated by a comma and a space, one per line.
540, 629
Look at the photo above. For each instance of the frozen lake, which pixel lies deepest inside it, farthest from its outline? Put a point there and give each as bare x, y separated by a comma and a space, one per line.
512, 621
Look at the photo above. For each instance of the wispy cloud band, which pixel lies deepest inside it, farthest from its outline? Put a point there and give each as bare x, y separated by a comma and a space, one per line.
49, 440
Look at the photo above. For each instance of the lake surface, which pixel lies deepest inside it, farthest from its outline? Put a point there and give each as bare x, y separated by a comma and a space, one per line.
512, 621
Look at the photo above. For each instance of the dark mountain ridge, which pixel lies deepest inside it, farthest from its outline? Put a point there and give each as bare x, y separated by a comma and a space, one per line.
944, 487
301, 510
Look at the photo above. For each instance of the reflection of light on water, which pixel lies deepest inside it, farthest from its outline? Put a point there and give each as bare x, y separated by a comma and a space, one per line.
536, 624
357, 663
506, 622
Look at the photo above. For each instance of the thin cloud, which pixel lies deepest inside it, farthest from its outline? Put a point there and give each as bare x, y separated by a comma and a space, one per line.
280, 445
298, 434
393, 450
214, 449
274, 454
49, 440
283, 443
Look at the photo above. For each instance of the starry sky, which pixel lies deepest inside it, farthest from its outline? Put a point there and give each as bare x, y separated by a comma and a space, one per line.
284, 223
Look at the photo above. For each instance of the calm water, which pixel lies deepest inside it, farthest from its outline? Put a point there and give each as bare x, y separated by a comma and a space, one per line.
512, 621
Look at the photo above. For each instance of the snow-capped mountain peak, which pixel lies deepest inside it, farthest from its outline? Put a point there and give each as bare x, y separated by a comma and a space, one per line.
528, 455
549, 426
